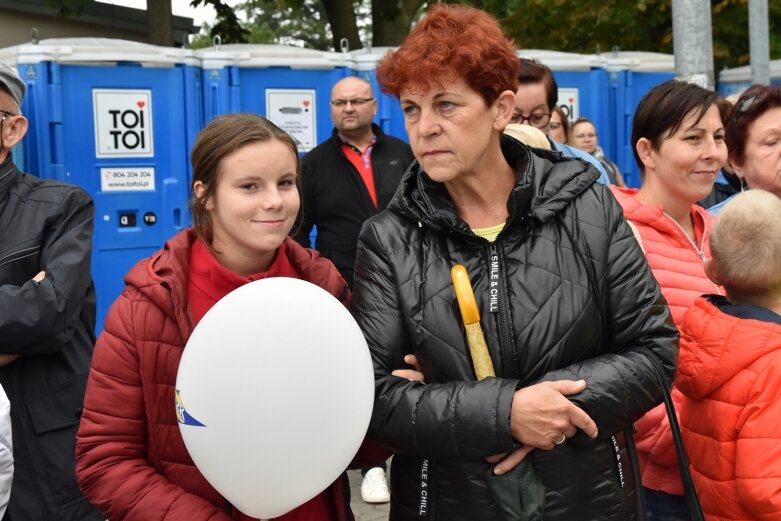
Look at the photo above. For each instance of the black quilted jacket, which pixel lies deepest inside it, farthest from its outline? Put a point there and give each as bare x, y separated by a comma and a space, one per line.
575, 299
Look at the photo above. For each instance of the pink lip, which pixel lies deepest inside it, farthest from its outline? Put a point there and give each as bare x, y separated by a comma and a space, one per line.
270, 222
707, 177
432, 153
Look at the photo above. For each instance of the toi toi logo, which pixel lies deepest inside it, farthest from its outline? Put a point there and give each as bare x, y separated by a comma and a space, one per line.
123, 123
128, 128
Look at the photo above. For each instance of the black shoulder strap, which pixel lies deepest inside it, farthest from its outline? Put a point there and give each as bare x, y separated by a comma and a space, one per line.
692, 501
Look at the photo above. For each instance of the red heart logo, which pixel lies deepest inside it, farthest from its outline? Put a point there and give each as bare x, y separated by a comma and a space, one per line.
306, 103
572, 100
140, 104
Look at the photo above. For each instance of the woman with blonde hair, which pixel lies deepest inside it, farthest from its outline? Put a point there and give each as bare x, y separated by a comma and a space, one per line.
532, 136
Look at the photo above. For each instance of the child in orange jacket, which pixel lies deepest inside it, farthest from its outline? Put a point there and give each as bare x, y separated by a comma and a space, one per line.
729, 367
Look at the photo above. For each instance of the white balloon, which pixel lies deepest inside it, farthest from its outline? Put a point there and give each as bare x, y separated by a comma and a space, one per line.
279, 376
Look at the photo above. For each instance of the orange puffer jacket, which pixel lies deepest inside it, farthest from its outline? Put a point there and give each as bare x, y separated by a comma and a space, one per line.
730, 374
677, 264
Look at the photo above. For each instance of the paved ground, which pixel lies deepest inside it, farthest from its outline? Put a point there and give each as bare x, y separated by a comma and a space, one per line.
364, 511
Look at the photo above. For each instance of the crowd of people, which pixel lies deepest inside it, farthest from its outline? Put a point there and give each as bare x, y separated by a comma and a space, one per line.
596, 301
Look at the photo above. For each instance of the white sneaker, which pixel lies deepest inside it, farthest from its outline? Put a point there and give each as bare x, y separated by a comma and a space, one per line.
374, 488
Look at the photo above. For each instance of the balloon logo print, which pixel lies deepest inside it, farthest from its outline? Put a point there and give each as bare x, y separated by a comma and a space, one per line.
182, 416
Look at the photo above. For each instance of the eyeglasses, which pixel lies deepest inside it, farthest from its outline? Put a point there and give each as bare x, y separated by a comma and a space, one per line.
538, 120
7, 114
355, 102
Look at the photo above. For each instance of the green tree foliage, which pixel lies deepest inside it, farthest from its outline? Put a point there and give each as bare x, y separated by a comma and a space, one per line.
300, 22
391, 21
580, 26
67, 8
319, 24
731, 36
585, 27
227, 25
644, 25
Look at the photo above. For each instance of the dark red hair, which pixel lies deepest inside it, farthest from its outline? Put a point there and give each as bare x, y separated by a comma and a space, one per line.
757, 100
452, 40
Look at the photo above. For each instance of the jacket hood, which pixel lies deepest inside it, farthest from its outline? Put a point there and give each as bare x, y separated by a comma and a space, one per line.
716, 346
162, 278
546, 183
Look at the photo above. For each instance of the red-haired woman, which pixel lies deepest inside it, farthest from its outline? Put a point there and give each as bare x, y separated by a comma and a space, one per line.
753, 139
575, 324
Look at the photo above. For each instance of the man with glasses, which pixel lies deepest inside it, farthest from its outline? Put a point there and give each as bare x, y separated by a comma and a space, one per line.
535, 100
346, 180
349, 177
47, 322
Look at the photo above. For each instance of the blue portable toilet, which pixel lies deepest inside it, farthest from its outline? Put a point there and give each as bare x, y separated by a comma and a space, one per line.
390, 117
117, 118
630, 76
738, 79
291, 86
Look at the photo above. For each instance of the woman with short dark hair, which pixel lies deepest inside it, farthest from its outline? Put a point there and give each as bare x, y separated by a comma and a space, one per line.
678, 132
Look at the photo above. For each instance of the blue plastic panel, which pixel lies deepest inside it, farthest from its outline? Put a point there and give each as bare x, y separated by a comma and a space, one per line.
629, 90
235, 89
136, 167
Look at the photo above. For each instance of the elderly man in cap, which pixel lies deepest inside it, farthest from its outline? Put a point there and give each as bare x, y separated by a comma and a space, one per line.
47, 322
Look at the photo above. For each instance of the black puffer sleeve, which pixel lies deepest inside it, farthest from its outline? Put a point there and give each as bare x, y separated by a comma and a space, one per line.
641, 343
453, 420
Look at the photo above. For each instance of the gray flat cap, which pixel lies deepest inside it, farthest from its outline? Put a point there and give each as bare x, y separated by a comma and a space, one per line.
10, 81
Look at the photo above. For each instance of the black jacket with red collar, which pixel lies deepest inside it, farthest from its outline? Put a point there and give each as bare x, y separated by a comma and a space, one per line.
335, 199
